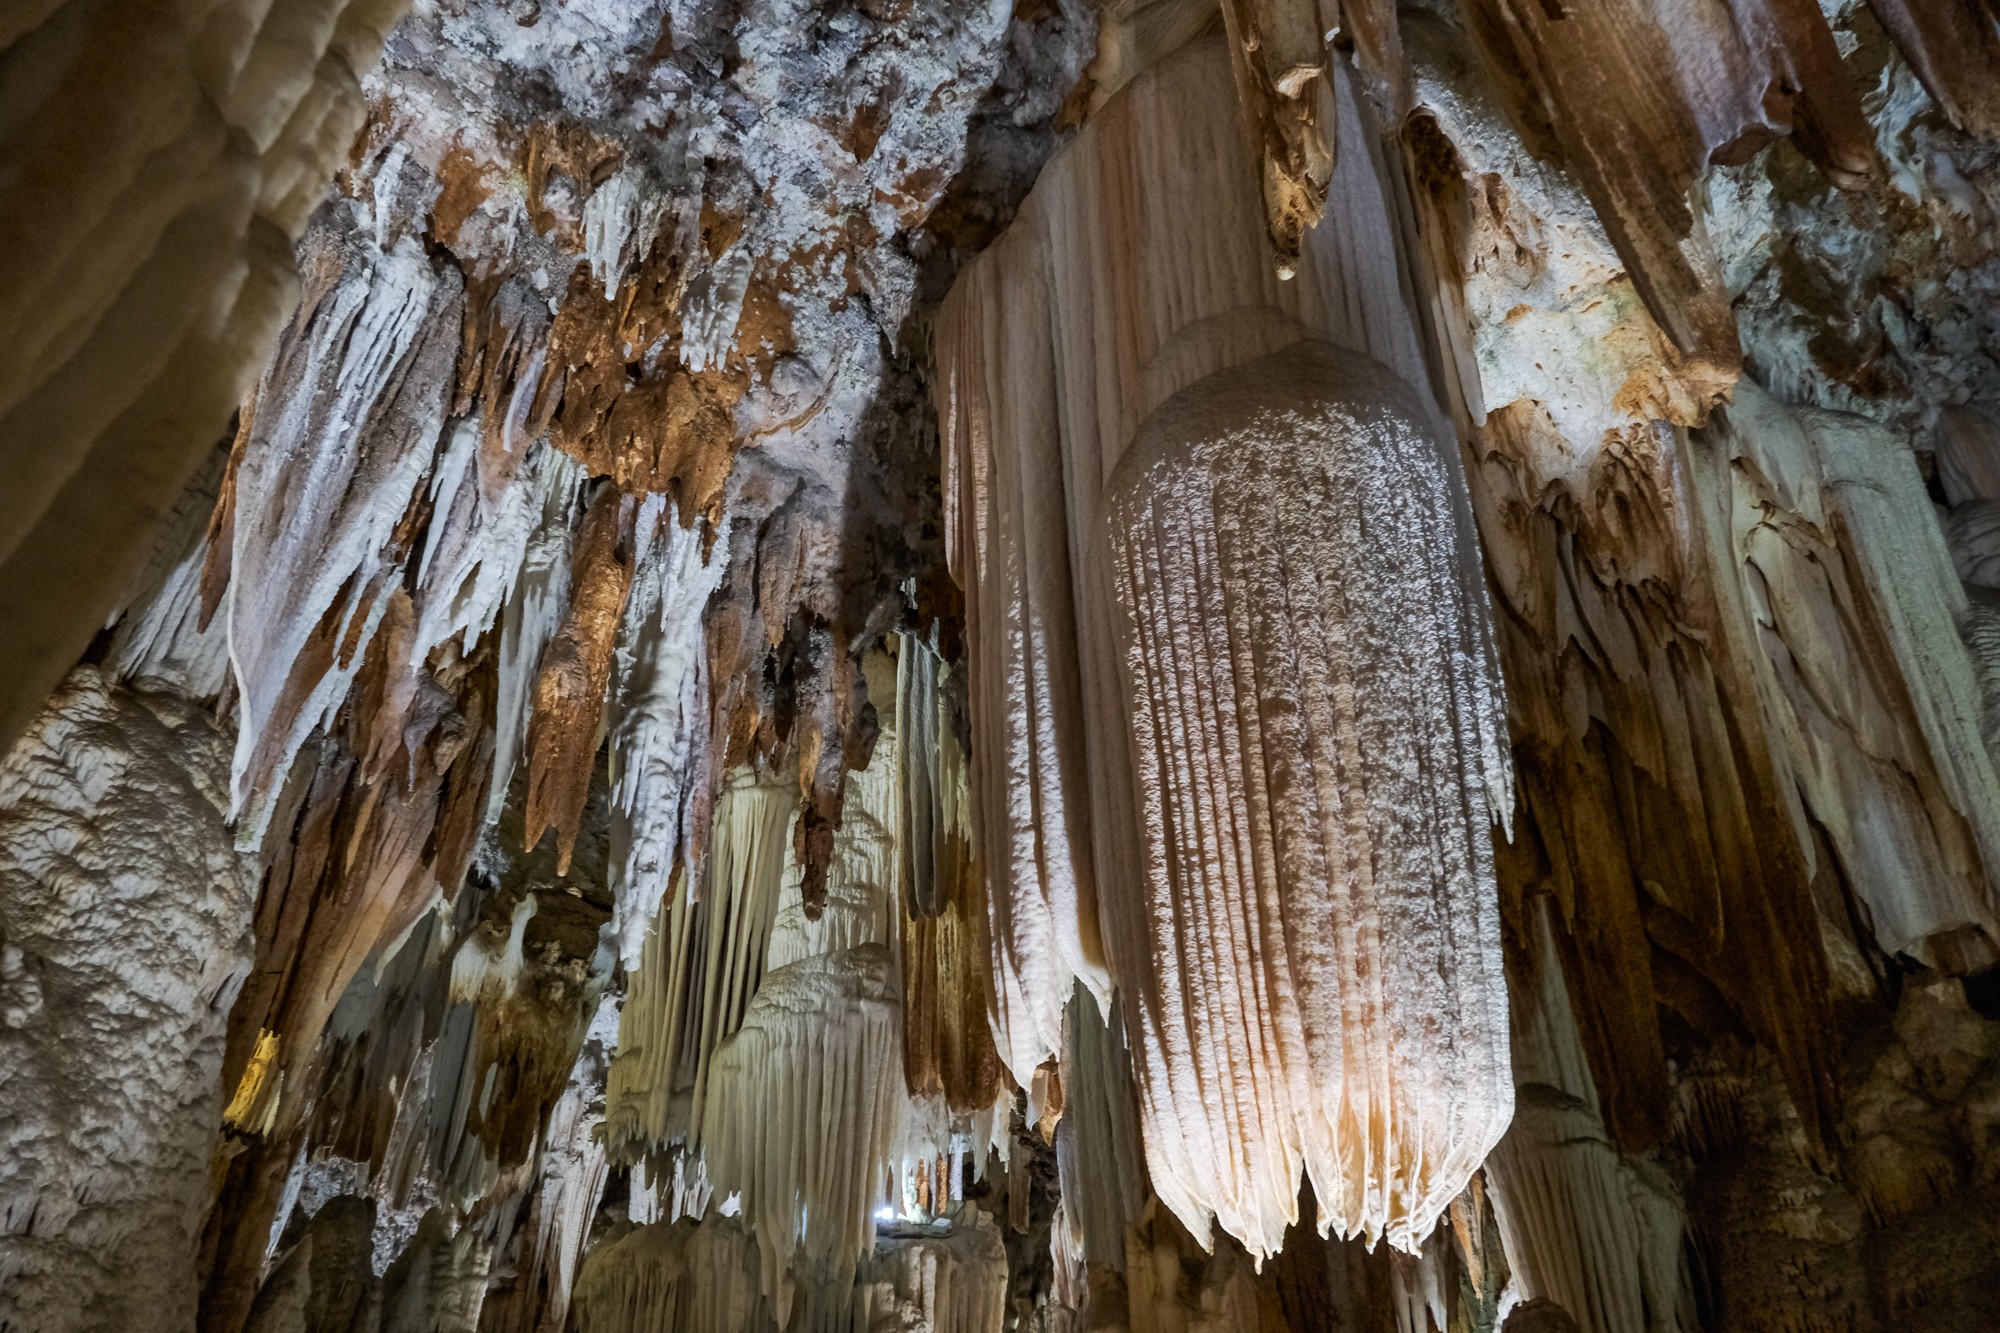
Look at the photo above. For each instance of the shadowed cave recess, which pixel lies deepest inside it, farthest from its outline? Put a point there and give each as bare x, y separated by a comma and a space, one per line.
1000, 666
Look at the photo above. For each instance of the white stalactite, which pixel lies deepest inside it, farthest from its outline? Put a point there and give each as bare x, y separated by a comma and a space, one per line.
621, 220
534, 610
819, 1057
657, 714
341, 436
861, 900
1234, 688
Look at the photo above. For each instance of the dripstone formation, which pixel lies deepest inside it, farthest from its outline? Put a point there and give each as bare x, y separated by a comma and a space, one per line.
1192, 666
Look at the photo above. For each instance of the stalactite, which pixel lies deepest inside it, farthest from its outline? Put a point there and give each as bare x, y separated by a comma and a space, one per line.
161, 161
533, 611
933, 805
1257, 866
1592, 1231
818, 1050
1670, 93
1099, 1159
575, 672
1288, 817
1828, 557
942, 935
1279, 58
1955, 47
331, 455
657, 716
860, 903
1636, 716
590, 490
699, 972
160, 643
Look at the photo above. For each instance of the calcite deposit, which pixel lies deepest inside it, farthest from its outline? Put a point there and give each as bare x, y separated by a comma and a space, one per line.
832, 666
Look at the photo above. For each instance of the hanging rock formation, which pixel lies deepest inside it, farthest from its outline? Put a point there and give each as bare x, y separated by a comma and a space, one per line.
1167, 666
160, 161
1212, 542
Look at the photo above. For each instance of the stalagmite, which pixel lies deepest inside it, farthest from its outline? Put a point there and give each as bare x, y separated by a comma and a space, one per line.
1290, 859
678, 1278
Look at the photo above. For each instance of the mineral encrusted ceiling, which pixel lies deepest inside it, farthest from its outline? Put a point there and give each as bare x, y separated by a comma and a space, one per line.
798, 667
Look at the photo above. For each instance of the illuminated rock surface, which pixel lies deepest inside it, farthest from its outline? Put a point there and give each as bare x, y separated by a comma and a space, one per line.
830, 667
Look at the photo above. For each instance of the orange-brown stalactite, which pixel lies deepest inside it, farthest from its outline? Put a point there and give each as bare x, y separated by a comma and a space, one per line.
616, 398
1954, 45
1650, 801
502, 354
1805, 70
1637, 152
575, 672
1279, 61
1377, 33
948, 1047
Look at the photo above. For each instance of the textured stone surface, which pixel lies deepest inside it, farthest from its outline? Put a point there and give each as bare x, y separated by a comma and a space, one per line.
124, 936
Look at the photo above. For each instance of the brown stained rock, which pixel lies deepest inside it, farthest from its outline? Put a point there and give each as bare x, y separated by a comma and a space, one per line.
1637, 153
1954, 45
570, 149
1279, 61
463, 187
574, 673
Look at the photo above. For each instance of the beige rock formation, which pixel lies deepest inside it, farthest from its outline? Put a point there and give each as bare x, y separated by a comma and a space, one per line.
160, 160
1221, 596
856, 667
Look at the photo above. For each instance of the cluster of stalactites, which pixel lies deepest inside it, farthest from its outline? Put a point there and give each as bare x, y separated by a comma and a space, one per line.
761, 1068
699, 970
